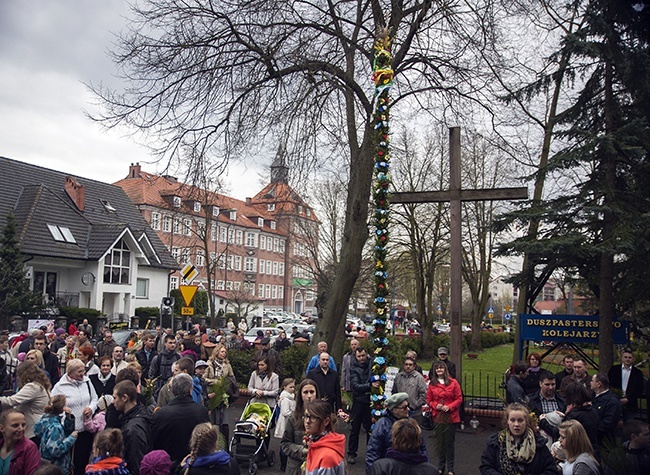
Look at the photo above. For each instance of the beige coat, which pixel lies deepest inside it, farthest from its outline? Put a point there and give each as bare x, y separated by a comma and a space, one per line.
31, 399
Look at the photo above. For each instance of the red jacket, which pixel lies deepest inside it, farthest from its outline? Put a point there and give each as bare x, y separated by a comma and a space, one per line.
25, 459
449, 395
326, 456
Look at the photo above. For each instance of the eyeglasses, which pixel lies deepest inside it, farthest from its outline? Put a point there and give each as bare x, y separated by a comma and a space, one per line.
309, 418
403, 407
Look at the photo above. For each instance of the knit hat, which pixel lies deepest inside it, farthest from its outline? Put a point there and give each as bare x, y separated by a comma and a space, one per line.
156, 462
59, 331
395, 400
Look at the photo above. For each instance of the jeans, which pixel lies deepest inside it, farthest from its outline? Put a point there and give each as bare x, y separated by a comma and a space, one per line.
360, 416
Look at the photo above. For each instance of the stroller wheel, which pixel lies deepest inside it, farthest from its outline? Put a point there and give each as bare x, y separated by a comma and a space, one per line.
271, 459
252, 468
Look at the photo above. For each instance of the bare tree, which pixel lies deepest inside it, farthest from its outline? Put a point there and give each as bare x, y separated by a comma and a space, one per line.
227, 76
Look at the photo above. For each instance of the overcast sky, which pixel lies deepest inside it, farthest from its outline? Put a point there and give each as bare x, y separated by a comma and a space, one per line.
48, 49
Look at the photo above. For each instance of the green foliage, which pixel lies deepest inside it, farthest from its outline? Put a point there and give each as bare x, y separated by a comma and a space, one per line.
76, 313
15, 296
201, 302
491, 339
147, 312
241, 365
294, 362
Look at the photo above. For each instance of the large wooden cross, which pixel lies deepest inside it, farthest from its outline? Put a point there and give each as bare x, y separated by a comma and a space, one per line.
455, 196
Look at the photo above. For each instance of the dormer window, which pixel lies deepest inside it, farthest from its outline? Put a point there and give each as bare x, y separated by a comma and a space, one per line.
299, 209
177, 202
215, 211
270, 207
197, 207
233, 215
260, 222
273, 225
308, 212
110, 208
61, 234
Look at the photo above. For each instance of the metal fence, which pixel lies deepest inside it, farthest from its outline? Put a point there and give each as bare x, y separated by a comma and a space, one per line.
484, 390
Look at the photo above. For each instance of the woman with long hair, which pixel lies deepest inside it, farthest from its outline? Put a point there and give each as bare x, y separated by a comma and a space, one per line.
516, 450
444, 397
107, 454
580, 457
32, 396
405, 455
36, 356
18, 454
531, 381
325, 448
82, 401
204, 457
218, 367
55, 445
263, 384
104, 381
292, 440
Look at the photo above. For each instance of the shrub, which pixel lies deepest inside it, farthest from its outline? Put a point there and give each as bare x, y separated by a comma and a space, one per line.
147, 312
240, 361
76, 313
294, 362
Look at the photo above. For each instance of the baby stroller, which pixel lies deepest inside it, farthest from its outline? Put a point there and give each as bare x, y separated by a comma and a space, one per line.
250, 439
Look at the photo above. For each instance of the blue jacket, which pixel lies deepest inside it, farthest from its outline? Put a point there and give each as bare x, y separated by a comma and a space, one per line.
55, 446
313, 363
380, 441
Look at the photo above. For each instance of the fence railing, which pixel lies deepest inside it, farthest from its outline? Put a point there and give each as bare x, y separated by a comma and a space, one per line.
484, 390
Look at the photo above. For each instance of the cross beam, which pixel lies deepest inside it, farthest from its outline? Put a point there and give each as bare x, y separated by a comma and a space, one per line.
455, 196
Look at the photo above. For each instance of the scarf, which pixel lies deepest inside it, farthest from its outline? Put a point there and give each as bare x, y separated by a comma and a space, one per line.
535, 369
217, 366
262, 374
104, 379
513, 456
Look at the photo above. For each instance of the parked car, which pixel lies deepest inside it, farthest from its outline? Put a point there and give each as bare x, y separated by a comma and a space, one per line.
251, 334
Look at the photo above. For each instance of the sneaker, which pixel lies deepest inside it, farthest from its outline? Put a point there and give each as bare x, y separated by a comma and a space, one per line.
352, 460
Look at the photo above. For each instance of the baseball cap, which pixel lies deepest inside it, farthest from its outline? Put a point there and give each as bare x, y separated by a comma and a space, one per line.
443, 351
200, 363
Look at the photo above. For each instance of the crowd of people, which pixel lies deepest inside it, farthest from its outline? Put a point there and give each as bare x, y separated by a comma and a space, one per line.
158, 407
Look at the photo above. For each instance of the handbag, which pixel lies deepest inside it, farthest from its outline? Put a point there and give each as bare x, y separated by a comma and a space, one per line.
427, 421
68, 424
232, 390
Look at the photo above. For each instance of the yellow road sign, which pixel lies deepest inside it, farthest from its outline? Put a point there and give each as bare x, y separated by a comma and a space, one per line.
188, 291
187, 310
189, 272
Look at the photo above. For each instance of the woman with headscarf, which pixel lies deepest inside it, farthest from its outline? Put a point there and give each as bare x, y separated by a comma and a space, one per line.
516, 450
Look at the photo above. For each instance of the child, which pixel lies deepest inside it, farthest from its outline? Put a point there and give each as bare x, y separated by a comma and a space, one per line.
287, 406
107, 454
55, 446
97, 422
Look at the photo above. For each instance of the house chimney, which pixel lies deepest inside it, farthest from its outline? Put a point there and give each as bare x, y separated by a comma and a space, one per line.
249, 201
134, 170
76, 192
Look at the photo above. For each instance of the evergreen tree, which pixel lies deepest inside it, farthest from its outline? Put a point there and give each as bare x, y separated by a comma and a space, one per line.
15, 296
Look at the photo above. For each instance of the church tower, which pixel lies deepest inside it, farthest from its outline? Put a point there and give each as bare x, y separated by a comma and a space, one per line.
279, 169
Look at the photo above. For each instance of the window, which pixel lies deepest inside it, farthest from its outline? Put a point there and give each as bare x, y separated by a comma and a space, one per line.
200, 257
273, 225
268, 267
187, 227
250, 264
275, 268
236, 285
276, 244
167, 224
215, 211
270, 207
281, 268
117, 264
177, 201
233, 214
61, 234
280, 291
186, 255
274, 292
222, 261
197, 207
267, 293
173, 282
142, 288
299, 209
177, 225
220, 285
229, 262
262, 266
238, 263
260, 222
308, 212
213, 232
281, 246
251, 239
231, 236
155, 221
213, 258
176, 252
229, 285
200, 229
262, 242
108, 206
223, 233
260, 290
239, 237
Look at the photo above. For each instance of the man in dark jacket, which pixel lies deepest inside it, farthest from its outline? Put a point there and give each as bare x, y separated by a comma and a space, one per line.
327, 381
135, 424
608, 408
161, 364
173, 424
515, 389
360, 374
107, 345
146, 354
632, 391
546, 399
50, 360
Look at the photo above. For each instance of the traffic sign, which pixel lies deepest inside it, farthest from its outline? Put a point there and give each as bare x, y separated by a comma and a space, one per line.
507, 316
189, 272
188, 291
490, 309
187, 310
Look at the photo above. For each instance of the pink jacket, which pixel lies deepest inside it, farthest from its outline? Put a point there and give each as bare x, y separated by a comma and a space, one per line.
95, 424
25, 459
450, 396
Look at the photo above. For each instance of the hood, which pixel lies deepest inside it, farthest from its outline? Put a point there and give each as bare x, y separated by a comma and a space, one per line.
332, 440
286, 395
218, 458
